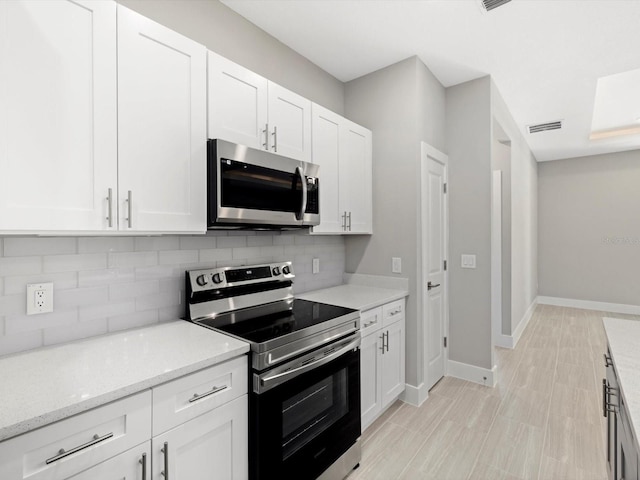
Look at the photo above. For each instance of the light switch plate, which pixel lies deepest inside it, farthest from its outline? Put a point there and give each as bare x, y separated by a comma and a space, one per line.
396, 265
39, 298
468, 261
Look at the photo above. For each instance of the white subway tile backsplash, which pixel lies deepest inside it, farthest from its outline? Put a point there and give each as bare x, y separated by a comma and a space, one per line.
20, 246
177, 257
94, 278
123, 291
62, 334
19, 342
18, 283
20, 265
143, 244
132, 320
95, 312
115, 283
73, 263
133, 259
76, 297
218, 255
105, 244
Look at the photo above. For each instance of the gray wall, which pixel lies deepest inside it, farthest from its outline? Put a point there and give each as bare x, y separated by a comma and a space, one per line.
468, 127
589, 228
403, 104
222, 30
523, 216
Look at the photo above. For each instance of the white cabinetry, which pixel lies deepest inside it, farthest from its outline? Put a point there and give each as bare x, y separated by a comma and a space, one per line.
76, 155
343, 150
58, 128
161, 127
382, 359
199, 425
248, 109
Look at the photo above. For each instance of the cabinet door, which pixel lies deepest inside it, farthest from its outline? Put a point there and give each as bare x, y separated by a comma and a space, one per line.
627, 456
355, 177
57, 114
161, 127
213, 445
370, 375
326, 154
237, 103
393, 363
289, 123
126, 466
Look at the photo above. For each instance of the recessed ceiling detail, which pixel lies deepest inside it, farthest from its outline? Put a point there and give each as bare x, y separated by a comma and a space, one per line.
545, 127
491, 4
616, 105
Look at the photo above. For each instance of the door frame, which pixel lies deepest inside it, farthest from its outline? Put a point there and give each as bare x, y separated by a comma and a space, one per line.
426, 152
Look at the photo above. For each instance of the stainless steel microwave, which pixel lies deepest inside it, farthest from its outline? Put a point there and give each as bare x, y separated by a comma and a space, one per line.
249, 188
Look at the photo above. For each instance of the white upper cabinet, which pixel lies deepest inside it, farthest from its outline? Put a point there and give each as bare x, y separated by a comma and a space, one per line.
248, 109
58, 135
161, 127
342, 149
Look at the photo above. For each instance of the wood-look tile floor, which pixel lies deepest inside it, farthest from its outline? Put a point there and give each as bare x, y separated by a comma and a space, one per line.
542, 421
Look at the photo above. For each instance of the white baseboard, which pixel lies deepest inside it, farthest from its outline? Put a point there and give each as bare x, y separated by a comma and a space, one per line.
590, 305
472, 373
510, 341
415, 396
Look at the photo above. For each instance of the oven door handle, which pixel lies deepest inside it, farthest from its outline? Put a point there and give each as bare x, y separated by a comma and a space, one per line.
268, 382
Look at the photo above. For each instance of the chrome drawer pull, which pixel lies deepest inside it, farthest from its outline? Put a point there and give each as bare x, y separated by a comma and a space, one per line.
62, 453
395, 312
197, 397
165, 451
143, 461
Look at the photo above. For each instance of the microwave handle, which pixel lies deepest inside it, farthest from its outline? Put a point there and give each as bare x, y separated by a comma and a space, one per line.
303, 206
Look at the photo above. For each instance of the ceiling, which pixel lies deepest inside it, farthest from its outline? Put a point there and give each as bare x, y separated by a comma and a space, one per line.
545, 56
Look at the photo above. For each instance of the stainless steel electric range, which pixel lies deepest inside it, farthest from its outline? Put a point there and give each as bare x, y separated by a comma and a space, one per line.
304, 401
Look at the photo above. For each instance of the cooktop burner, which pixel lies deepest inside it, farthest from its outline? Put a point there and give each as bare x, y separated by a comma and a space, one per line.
304, 314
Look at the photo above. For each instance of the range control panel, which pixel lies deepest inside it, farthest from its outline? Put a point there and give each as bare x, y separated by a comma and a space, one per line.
217, 278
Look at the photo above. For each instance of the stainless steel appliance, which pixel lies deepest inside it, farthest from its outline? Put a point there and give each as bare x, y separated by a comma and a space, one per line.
304, 406
253, 188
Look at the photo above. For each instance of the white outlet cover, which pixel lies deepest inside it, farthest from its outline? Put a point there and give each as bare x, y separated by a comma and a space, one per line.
39, 298
467, 261
315, 265
396, 265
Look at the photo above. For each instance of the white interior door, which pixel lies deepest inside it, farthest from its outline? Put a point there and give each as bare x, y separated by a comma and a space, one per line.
434, 248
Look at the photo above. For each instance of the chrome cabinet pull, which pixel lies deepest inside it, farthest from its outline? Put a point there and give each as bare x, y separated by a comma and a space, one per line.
382, 347
129, 209
349, 221
143, 461
344, 221
395, 312
165, 451
607, 361
266, 136
275, 139
110, 207
197, 397
387, 334
62, 453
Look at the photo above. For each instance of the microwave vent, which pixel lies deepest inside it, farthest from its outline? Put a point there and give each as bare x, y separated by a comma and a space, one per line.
545, 127
489, 5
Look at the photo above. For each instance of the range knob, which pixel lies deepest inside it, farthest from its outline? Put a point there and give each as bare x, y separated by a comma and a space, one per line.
202, 280
217, 278
275, 271
286, 270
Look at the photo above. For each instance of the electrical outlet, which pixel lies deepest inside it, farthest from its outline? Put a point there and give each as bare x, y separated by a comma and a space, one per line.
39, 298
315, 265
396, 265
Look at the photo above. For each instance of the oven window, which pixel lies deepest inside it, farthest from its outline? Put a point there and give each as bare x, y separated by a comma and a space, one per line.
259, 188
310, 412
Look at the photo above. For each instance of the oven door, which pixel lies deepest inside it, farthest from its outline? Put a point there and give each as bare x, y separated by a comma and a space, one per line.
306, 417
249, 186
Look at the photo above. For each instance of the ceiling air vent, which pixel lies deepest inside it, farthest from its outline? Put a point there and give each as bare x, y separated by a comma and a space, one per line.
491, 4
544, 127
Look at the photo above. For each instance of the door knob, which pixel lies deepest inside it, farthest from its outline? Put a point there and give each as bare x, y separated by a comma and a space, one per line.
430, 285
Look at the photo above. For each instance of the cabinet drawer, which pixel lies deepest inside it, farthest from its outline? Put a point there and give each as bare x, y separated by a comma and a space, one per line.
392, 312
187, 397
87, 439
370, 321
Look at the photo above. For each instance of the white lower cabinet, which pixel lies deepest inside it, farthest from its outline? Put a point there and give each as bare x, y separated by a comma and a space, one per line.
206, 411
382, 359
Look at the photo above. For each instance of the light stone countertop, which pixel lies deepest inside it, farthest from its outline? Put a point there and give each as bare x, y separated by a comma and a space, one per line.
359, 297
52, 383
624, 341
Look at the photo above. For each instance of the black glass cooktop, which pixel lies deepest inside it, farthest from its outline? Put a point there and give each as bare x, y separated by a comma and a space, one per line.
304, 314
